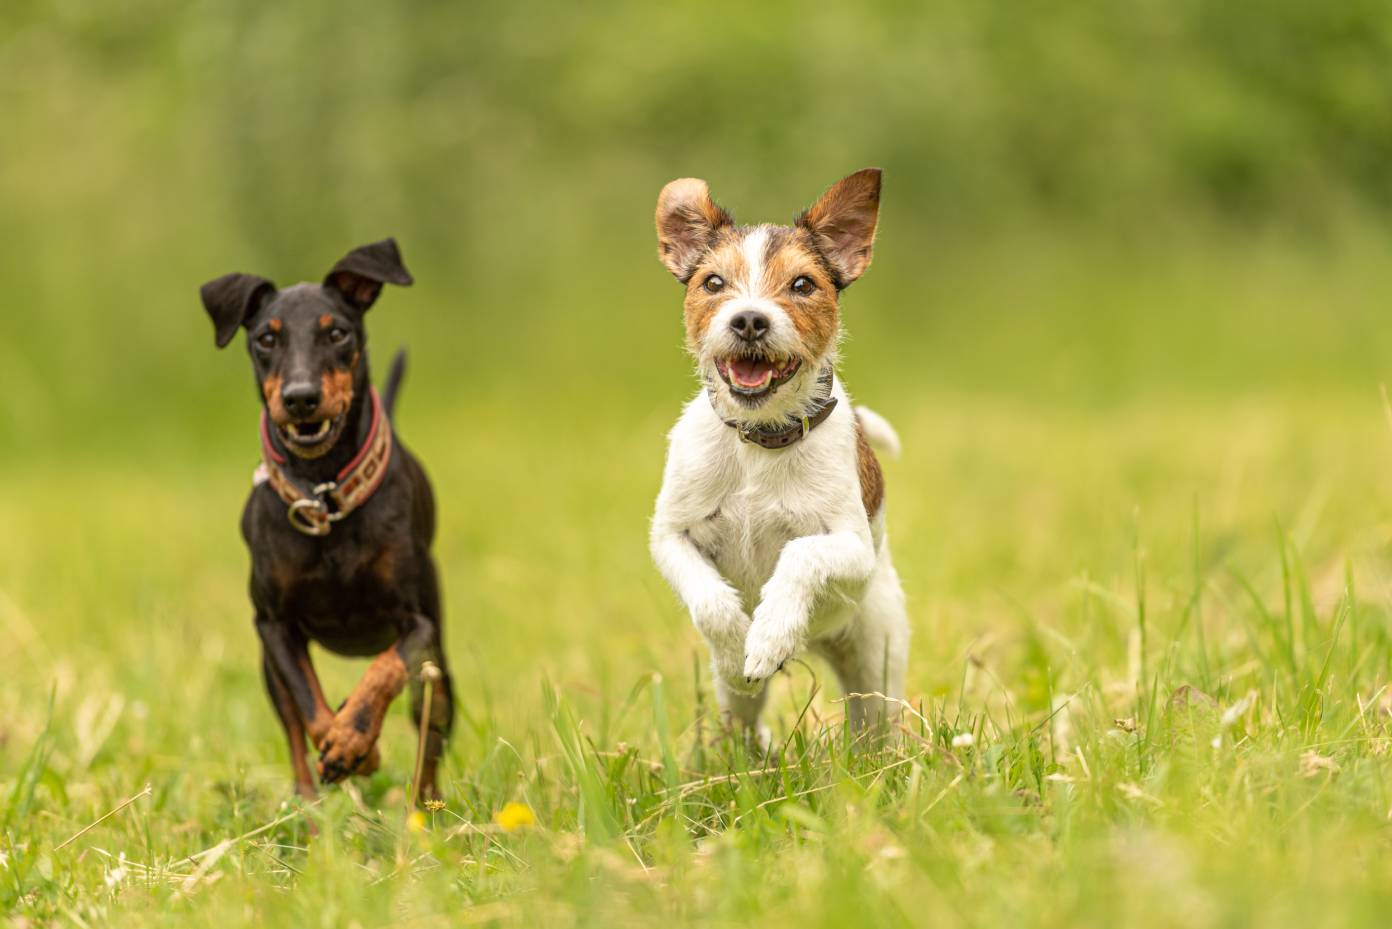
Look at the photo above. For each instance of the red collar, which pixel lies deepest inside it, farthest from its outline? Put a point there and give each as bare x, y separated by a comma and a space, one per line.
315, 512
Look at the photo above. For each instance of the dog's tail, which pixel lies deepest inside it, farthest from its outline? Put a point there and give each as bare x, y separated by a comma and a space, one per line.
878, 432
393, 384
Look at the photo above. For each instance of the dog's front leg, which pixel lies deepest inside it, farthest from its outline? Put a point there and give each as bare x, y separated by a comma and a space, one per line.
805, 569
295, 693
287, 655
350, 745
715, 607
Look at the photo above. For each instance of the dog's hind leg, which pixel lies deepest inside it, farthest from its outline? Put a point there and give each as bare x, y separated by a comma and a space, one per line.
294, 729
870, 655
442, 691
742, 711
440, 723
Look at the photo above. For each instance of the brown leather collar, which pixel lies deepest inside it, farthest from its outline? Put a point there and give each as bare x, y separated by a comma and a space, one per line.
315, 512
776, 437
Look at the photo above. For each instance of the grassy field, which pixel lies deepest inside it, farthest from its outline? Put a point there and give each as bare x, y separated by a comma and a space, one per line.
1151, 613
1128, 312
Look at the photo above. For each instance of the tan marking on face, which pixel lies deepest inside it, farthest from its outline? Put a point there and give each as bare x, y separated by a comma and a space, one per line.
275, 325
871, 477
724, 259
336, 392
815, 316
270, 389
325, 321
789, 255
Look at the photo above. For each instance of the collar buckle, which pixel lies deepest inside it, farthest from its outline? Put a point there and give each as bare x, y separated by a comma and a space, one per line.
310, 515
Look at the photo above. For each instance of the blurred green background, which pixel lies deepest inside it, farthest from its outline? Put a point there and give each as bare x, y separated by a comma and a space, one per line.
1127, 308
1082, 201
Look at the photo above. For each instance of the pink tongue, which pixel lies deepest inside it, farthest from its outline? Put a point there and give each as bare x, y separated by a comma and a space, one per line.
749, 372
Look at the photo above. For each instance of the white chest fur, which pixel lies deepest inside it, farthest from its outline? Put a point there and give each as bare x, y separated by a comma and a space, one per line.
740, 504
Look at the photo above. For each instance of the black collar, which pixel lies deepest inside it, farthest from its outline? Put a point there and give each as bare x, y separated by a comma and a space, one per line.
776, 437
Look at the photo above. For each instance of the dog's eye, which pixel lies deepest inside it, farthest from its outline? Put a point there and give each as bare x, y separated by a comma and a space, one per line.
266, 340
714, 284
338, 335
802, 285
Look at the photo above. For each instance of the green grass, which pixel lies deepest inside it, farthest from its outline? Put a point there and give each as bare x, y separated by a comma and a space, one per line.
1148, 682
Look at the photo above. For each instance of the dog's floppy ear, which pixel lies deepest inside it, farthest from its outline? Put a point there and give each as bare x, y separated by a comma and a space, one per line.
843, 223
233, 299
360, 274
687, 220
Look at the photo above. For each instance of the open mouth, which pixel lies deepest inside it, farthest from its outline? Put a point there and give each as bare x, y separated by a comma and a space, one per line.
753, 378
310, 434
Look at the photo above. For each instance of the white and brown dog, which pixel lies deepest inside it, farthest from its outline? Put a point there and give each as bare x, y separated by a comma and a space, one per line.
772, 503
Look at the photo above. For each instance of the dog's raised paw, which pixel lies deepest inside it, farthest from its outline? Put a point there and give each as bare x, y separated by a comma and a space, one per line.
765, 655
346, 751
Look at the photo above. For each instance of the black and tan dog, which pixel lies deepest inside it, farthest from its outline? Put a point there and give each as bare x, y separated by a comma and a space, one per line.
341, 519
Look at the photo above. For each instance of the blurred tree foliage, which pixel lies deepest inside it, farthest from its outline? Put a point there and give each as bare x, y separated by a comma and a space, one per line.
152, 143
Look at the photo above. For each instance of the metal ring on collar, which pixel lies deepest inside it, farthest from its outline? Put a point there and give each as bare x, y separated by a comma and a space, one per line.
300, 518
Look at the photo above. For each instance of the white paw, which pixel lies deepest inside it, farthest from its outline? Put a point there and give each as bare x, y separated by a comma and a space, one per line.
721, 620
728, 667
771, 641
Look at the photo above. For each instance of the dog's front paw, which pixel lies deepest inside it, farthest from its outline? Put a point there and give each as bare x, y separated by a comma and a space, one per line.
348, 749
721, 620
766, 648
729, 669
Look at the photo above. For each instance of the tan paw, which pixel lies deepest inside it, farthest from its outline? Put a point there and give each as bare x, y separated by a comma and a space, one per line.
349, 747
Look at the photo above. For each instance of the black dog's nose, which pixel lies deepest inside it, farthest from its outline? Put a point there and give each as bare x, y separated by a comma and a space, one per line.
749, 325
300, 400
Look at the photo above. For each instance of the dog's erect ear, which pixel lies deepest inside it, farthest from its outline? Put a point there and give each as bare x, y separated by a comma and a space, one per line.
233, 299
360, 274
843, 223
687, 220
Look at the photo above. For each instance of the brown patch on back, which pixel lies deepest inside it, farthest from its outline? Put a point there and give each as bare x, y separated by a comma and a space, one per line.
871, 477
270, 389
336, 390
325, 321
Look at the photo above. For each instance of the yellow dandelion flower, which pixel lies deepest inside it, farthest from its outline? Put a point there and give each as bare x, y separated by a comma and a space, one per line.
416, 821
514, 816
